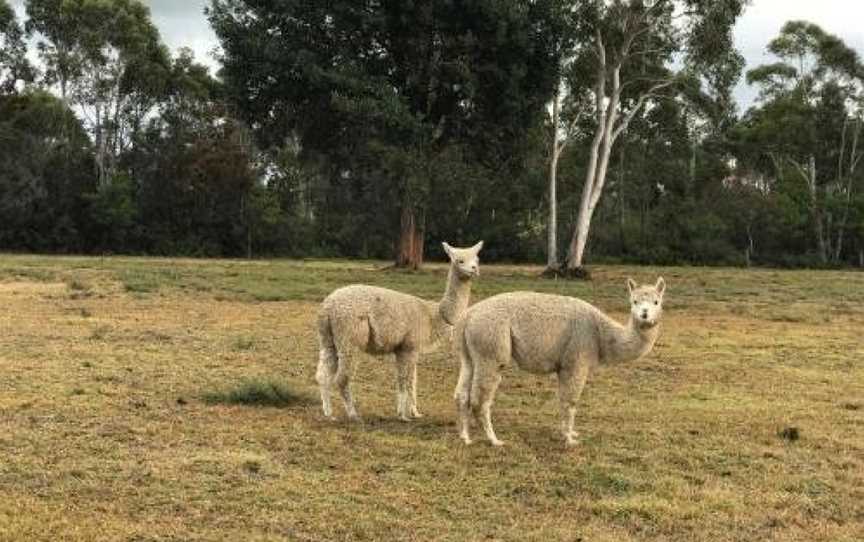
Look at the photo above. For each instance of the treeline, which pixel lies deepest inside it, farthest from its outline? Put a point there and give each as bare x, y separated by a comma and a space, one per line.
365, 129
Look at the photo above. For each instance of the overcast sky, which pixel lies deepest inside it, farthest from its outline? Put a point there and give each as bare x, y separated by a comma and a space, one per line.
182, 23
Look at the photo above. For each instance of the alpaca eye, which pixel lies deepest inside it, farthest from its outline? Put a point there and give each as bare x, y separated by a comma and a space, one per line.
656, 303
460, 261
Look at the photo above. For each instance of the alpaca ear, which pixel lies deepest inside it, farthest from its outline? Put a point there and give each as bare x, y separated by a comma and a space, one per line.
631, 285
660, 286
448, 249
478, 247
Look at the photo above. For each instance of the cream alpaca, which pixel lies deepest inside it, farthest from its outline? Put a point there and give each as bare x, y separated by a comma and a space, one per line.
546, 334
381, 321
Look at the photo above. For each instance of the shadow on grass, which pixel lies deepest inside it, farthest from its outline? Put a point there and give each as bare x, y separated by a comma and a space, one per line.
425, 428
258, 393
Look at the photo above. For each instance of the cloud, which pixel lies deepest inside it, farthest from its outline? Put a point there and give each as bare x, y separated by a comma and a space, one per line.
763, 20
182, 24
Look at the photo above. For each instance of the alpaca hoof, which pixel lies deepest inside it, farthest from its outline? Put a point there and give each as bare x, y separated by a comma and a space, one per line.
572, 439
416, 415
466, 440
404, 418
355, 418
497, 443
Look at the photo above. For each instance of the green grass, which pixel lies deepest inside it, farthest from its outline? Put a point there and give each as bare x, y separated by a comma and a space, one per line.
262, 393
174, 399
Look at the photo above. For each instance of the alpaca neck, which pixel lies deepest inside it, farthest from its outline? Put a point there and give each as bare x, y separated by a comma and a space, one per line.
456, 296
625, 342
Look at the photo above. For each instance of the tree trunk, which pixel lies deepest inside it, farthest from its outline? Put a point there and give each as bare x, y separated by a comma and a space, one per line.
410, 253
552, 226
249, 236
101, 149
622, 238
590, 196
691, 187
246, 213
609, 128
818, 212
854, 158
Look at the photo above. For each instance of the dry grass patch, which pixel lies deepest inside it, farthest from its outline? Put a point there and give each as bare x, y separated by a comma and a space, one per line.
175, 400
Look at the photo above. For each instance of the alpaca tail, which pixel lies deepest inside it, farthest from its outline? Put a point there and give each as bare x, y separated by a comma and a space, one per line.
325, 331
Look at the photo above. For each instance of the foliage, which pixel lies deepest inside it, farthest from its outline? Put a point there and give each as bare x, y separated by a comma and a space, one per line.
423, 89
108, 59
367, 129
805, 133
45, 168
14, 66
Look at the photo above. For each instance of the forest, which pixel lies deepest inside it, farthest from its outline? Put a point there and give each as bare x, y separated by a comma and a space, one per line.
561, 132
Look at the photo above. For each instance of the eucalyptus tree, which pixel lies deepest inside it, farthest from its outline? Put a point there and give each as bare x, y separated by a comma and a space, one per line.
14, 66
45, 169
806, 130
393, 99
109, 62
624, 60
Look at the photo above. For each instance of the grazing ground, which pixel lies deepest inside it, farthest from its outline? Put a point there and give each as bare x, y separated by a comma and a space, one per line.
146, 399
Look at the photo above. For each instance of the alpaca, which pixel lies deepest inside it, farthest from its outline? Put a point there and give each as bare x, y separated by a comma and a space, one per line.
380, 321
545, 334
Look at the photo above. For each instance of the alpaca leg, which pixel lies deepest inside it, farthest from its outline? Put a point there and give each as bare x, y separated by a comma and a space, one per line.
403, 385
415, 413
342, 381
462, 396
571, 382
482, 395
327, 366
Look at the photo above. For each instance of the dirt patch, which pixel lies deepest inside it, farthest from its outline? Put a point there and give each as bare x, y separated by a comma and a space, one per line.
31, 288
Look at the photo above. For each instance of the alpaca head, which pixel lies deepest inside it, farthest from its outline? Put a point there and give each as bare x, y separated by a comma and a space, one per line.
465, 260
646, 302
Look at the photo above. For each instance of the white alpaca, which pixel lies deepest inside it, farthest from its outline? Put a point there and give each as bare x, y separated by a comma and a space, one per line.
381, 321
546, 334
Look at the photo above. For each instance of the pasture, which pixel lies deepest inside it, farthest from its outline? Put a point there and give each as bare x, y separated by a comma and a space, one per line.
167, 400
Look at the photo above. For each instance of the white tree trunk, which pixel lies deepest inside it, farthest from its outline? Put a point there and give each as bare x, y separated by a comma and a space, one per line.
609, 127
854, 159
552, 226
598, 162
818, 211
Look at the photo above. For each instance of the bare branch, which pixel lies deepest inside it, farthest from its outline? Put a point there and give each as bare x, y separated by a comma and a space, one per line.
842, 152
854, 164
639, 104
568, 134
601, 48
646, 52
855, 156
616, 81
804, 174
601, 76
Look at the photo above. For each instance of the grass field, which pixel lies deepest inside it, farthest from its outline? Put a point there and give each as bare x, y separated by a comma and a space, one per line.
146, 400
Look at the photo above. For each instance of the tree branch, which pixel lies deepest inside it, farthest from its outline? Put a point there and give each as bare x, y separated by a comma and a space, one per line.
601, 77
842, 152
639, 103
809, 179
